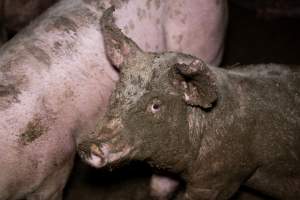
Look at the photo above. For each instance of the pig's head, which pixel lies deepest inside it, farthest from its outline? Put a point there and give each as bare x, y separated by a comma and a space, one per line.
147, 118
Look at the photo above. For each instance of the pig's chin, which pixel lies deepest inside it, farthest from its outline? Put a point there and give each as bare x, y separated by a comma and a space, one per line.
96, 161
105, 155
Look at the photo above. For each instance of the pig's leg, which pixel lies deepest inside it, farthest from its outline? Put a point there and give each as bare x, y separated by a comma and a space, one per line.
197, 27
162, 187
53, 186
223, 192
212, 181
280, 182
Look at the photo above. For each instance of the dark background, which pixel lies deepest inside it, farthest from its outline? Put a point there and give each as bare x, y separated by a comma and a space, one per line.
256, 34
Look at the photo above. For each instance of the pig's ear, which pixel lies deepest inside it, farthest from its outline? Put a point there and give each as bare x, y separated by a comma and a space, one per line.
119, 48
197, 83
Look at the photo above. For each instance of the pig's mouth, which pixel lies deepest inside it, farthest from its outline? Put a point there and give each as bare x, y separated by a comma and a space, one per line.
101, 155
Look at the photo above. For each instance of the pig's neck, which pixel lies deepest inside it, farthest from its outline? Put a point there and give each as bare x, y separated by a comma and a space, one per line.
203, 122
175, 154
213, 130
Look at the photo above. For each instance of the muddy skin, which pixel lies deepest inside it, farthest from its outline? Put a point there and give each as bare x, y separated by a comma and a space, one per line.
39, 54
33, 131
8, 95
218, 129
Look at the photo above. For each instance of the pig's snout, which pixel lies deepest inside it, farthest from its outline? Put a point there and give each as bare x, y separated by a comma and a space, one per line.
107, 148
99, 155
88, 150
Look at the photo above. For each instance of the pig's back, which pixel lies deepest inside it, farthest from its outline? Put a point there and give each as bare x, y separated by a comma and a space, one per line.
268, 104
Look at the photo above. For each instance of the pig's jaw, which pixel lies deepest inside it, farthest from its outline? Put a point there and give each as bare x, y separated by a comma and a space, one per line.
103, 155
95, 161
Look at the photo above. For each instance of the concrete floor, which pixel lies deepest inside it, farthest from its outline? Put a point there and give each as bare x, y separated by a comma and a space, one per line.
250, 40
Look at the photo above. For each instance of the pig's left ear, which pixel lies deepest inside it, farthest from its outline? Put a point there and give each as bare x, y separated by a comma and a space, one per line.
119, 48
197, 83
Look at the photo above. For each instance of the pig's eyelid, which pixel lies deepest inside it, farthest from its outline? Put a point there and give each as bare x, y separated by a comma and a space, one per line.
155, 106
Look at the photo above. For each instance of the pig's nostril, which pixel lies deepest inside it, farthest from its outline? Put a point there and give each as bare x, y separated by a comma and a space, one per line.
83, 148
87, 148
92, 154
96, 150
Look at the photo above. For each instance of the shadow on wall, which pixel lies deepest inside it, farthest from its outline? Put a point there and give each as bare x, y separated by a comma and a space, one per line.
252, 38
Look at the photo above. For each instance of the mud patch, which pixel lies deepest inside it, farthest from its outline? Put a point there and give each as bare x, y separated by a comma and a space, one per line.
118, 3
8, 95
89, 1
99, 4
64, 24
33, 131
157, 4
131, 25
12, 82
157, 21
178, 39
39, 54
141, 13
148, 4
6, 90
126, 30
84, 16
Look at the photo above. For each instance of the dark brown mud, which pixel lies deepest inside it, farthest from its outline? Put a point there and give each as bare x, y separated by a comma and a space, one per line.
250, 40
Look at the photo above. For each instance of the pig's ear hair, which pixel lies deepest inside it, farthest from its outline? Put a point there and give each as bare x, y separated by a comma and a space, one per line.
119, 48
197, 84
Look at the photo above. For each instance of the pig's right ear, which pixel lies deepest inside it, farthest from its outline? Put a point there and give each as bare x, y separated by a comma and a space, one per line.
198, 83
119, 48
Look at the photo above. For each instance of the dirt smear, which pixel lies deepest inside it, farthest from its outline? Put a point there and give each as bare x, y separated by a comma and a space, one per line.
33, 131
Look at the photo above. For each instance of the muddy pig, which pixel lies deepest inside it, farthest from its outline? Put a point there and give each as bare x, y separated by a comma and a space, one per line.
55, 81
218, 129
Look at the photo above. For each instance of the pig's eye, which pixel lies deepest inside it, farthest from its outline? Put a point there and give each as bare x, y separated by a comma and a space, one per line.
155, 106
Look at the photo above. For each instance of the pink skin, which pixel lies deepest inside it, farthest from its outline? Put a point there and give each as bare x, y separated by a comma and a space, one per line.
162, 187
198, 28
63, 81
195, 27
